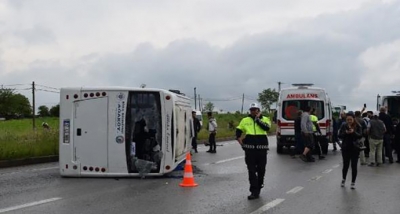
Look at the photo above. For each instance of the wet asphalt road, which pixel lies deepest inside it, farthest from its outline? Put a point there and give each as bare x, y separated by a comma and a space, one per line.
291, 186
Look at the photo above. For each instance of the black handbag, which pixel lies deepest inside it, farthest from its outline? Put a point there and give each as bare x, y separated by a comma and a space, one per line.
359, 145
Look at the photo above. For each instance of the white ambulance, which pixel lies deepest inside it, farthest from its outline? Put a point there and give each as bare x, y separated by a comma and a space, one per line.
296, 98
391, 102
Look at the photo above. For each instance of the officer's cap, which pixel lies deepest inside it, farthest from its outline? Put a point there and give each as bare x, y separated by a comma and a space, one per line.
254, 106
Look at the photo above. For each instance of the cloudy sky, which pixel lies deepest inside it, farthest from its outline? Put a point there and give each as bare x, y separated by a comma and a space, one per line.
223, 48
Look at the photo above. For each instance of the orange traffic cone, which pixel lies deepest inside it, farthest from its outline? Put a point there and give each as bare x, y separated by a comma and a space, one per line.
188, 178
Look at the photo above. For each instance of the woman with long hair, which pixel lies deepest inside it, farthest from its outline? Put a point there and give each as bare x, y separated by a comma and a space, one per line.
350, 133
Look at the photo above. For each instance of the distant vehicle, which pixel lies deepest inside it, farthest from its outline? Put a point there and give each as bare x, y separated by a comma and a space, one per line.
338, 109
296, 98
392, 102
116, 131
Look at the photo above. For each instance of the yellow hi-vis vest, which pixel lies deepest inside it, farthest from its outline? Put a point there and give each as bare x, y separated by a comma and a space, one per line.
256, 137
314, 119
249, 126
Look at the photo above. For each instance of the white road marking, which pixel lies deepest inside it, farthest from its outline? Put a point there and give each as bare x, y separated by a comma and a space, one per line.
28, 205
327, 171
295, 190
336, 166
268, 206
226, 160
316, 178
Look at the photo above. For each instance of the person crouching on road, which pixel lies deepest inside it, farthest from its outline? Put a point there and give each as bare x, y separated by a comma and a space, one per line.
350, 132
255, 145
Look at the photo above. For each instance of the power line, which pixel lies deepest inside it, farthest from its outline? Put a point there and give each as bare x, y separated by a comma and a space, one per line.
47, 87
57, 92
22, 89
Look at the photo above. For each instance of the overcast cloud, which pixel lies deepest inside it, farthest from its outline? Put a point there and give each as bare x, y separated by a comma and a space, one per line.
224, 48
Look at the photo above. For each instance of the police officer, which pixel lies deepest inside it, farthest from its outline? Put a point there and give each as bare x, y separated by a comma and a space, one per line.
255, 145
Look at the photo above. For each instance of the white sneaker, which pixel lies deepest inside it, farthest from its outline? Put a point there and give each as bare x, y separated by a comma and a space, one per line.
353, 186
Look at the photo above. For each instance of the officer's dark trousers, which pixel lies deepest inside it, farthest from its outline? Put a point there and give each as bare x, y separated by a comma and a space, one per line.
256, 161
194, 143
211, 140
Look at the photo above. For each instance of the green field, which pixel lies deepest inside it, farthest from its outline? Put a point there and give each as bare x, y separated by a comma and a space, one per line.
18, 140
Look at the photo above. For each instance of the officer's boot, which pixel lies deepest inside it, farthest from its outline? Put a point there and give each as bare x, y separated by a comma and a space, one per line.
254, 195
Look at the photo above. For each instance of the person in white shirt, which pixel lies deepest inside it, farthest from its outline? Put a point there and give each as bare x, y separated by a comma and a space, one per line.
212, 128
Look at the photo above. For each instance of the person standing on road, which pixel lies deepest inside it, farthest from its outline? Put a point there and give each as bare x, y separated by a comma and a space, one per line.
255, 146
387, 147
212, 128
351, 133
396, 141
363, 124
197, 128
307, 134
366, 140
376, 130
299, 146
316, 133
335, 138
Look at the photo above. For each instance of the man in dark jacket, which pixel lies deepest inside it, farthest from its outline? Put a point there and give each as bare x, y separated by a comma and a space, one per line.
396, 141
335, 138
299, 147
197, 128
387, 147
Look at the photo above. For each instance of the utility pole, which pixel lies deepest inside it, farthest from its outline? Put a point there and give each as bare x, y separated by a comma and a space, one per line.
279, 89
242, 104
195, 104
199, 103
33, 105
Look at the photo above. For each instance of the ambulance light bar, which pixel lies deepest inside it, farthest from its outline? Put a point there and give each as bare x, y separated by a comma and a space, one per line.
302, 84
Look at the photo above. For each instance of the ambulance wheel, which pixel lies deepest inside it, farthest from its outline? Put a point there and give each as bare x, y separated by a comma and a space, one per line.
279, 149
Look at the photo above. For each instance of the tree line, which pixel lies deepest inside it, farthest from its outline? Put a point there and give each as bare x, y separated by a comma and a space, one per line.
14, 106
